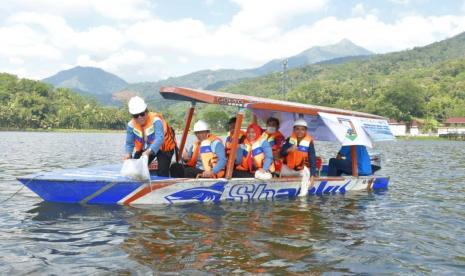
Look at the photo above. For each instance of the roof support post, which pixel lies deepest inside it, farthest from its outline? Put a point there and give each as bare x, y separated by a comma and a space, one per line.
235, 140
353, 156
254, 118
190, 114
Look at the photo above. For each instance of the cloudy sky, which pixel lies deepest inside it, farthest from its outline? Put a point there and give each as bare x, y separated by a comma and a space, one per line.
147, 40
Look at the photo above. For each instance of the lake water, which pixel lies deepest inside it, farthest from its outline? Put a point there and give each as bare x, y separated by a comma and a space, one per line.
415, 227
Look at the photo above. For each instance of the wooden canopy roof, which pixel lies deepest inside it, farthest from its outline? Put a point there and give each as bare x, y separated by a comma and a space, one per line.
222, 98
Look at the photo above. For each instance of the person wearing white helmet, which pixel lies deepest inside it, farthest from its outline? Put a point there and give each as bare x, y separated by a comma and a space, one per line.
298, 151
149, 134
205, 158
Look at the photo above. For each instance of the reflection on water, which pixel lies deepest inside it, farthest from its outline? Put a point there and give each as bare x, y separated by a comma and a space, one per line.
414, 227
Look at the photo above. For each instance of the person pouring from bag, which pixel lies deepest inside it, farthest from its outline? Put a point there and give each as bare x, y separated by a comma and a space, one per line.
206, 157
149, 134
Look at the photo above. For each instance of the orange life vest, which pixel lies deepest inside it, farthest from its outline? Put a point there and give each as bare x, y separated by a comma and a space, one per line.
207, 155
228, 144
271, 138
146, 134
258, 156
298, 159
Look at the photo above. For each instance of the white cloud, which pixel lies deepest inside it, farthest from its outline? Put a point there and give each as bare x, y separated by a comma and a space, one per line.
182, 59
16, 61
379, 36
359, 9
123, 9
255, 16
114, 9
125, 63
100, 39
21, 41
145, 47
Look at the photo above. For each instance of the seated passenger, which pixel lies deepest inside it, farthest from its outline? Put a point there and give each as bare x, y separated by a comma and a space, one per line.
274, 136
343, 162
228, 144
298, 151
254, 154
205, 158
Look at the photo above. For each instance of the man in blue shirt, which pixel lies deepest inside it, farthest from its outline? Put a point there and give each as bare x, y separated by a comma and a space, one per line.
343, 162
149, 134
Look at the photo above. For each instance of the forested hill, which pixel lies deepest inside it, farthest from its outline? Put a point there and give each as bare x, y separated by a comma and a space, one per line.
424, 82
215, 79
89, 81
33, 104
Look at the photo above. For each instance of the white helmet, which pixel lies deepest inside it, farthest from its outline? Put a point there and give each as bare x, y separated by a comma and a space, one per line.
201, 126
136, 105
300, 122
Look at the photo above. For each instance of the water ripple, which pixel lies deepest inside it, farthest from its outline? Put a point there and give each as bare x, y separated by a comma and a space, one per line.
416, 227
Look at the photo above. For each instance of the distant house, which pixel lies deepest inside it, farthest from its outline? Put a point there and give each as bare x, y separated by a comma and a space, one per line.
453, 125
415, 128
397, 128
401, 128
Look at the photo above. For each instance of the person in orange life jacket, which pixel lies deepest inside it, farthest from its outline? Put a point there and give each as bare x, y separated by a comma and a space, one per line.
206, 157
149, 134
337, 166
254, 154
274, 136
298, 151
228, 144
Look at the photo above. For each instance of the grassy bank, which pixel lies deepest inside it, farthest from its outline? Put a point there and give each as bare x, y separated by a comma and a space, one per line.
421, 138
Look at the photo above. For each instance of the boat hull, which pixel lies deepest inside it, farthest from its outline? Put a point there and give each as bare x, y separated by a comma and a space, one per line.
104, 185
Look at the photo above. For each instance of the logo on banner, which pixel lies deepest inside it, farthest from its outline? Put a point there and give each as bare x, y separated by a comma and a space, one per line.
351, 133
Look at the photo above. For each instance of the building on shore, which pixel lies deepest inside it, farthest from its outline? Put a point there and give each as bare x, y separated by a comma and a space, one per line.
454, 125
402, 129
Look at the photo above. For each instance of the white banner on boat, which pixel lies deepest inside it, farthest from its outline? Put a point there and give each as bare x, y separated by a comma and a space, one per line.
350, 130
333, 127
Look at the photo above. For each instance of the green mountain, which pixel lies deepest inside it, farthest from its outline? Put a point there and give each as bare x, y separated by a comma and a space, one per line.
345, 48
425, 82
89, 81
215, 79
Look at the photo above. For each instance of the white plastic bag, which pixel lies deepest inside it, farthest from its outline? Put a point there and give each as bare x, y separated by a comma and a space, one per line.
263, 176
305, 182
136, 169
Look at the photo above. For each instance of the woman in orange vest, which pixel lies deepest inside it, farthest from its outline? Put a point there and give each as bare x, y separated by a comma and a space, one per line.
298, 151
149, 134
254, 154
228, 144
276, 140
205, 158
274, 136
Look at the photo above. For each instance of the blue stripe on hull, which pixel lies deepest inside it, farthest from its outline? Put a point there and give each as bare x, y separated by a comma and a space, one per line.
77, 191
115, 193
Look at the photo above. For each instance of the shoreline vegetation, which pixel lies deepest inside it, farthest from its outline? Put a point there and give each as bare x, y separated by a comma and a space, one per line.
30, 104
